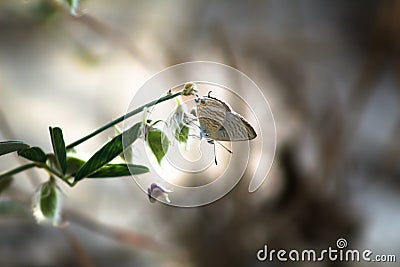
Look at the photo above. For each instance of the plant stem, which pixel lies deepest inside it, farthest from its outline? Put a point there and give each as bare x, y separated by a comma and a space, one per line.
17, 170
52, 171
122, 118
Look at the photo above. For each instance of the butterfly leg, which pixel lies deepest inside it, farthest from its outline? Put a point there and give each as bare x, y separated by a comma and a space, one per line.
215, 154
227, 149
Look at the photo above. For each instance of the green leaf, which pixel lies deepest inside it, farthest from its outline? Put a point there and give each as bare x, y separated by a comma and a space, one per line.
11, 146
131, 134
108, 152
73, 165
182, 134
118, 170
48, 200
60, 152
5, 183
34, 154
158, 143
127, 153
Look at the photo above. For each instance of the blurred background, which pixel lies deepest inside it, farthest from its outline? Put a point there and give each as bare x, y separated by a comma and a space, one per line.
331, 73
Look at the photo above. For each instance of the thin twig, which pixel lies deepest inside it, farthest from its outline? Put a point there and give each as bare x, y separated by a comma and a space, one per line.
120, 119
17, 170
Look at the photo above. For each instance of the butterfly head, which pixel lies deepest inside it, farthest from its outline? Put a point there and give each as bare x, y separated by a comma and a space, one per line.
201, 100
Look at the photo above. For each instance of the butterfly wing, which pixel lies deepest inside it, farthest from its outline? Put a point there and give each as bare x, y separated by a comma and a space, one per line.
211, 113
234, 128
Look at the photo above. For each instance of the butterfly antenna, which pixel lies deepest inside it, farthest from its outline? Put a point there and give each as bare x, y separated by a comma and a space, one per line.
209, 94
227, 149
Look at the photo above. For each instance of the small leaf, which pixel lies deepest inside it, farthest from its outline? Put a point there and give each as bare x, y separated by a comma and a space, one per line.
11, 146
118, 170
73, 165
132, 134
158, 143
182, 134
47, 203
108, 152
5, 183
127, 153
48, 200
60, 152
34, 154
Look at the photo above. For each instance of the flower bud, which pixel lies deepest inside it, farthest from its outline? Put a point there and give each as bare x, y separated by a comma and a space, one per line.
190, 88
156, 190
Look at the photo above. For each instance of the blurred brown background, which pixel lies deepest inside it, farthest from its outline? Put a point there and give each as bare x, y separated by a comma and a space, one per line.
330, 70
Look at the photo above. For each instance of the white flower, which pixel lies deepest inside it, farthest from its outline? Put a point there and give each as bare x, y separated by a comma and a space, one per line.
179, 120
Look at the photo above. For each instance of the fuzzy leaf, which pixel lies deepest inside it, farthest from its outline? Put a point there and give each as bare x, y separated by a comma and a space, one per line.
48, 200
60, 152
11, 146
118, 170
158, 143
34, 154
5, 183
108, 152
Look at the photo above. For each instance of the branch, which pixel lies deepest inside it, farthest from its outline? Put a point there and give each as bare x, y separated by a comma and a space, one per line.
17, 170
122, 118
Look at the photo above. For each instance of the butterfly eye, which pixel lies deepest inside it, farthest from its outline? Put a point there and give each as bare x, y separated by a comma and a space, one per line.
203, 101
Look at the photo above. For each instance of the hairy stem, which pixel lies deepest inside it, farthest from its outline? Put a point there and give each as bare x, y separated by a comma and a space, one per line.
122, 118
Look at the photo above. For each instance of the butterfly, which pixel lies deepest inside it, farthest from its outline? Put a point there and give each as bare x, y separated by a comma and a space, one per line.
218, 122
